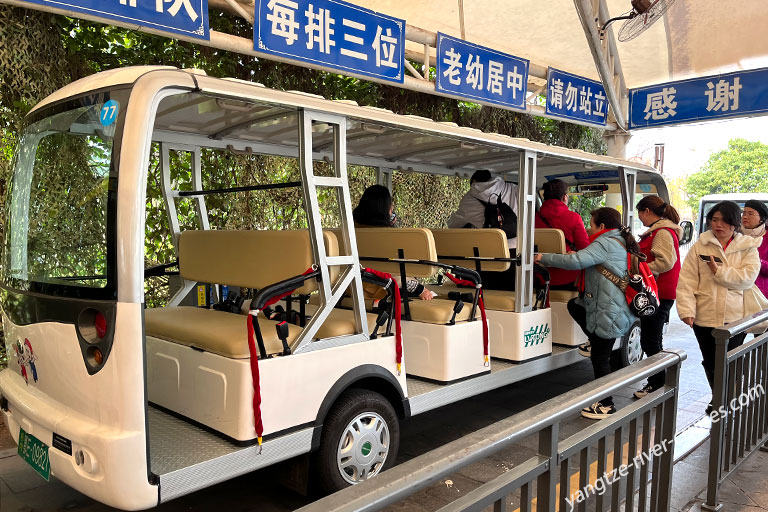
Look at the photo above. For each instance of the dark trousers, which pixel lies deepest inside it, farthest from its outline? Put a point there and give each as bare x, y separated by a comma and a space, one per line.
601, 348
707, 346
651, 333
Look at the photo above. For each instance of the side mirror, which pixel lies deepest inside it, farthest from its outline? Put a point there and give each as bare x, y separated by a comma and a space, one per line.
687, 232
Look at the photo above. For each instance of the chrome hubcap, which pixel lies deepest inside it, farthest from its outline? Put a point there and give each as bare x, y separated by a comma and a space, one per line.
634, 348
363, 448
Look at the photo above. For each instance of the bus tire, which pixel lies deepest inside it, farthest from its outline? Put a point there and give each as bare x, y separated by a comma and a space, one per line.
631, 350
360, 438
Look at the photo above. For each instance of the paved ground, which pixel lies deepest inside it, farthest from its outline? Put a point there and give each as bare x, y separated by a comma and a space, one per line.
23, 490
746, 490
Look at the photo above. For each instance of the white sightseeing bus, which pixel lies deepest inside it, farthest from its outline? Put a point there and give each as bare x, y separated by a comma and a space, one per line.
134, 406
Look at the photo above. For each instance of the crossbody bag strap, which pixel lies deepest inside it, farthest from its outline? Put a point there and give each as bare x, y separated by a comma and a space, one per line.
618, 281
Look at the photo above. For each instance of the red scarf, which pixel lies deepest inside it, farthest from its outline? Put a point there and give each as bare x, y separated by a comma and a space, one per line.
580, 281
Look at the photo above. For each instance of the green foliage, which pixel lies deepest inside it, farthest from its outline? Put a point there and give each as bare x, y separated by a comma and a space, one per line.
43, 52
743, 167
583, 205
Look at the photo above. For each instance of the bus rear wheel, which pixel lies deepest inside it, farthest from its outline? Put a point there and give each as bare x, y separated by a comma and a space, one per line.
360, 438
631, 350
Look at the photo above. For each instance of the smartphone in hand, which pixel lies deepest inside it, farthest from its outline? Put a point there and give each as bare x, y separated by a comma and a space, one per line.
705, 258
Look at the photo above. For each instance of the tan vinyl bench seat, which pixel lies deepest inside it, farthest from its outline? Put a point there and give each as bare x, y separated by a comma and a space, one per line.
341, 322
218, 332
494, 300
226, 334
417, 244
436, 311
253, 263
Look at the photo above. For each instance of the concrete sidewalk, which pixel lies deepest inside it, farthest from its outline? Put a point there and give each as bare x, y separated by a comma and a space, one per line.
746, 490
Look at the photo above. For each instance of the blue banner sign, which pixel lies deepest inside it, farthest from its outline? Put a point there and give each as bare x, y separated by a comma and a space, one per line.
331, 33
699, 99
470, 71
185, 17
576, 98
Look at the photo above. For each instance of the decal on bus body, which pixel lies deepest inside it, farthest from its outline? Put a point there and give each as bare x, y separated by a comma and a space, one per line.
536, 334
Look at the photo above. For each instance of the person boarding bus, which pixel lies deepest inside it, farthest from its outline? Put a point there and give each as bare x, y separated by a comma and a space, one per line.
660, 244
601, 310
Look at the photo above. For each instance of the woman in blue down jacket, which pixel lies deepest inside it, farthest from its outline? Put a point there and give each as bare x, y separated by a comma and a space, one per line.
601, 310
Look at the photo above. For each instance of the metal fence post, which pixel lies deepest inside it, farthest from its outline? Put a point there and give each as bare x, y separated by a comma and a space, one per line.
545, 483
717, 432
667, 464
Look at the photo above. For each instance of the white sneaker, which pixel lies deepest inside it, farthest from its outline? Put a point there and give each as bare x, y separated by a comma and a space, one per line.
585, 349
598, 411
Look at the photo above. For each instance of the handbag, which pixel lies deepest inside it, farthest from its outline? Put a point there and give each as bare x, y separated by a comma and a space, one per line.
639, 286
754, 302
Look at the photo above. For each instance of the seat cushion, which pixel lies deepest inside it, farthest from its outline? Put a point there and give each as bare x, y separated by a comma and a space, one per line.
437, 311
496, 300
341, 322
499, 300
214, 331
562, 295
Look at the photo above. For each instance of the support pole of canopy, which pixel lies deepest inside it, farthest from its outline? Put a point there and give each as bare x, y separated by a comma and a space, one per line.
617, 148
606, 56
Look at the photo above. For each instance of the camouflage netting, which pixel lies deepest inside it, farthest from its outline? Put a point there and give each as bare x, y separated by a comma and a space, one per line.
33, 64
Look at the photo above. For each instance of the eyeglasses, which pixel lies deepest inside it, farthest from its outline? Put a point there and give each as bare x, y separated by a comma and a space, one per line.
749, 214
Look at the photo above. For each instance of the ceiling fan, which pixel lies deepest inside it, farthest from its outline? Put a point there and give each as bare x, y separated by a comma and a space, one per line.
644, 13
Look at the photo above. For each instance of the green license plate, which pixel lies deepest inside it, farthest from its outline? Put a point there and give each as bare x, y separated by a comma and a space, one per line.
35, 452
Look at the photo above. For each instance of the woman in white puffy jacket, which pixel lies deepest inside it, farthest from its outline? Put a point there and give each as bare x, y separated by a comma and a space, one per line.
710, 292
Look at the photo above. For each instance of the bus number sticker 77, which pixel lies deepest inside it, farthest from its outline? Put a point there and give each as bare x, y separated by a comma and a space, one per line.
108, 114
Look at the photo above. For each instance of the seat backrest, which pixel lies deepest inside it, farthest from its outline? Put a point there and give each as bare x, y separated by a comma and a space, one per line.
490, 243
250, 259
549, 240
417, 244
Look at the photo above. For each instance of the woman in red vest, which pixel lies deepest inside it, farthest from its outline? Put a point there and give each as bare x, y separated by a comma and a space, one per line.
660, 246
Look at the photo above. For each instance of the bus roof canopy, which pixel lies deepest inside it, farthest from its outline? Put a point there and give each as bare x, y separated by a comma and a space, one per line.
255, 118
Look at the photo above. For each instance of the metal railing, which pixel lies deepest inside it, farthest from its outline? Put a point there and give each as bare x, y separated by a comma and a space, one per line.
649, 424
739, 405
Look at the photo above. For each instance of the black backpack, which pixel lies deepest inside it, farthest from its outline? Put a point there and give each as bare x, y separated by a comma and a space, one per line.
500, 215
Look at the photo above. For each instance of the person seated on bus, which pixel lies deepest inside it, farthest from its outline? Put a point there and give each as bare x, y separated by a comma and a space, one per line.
484, 188
601, 310
376, 210
554, 213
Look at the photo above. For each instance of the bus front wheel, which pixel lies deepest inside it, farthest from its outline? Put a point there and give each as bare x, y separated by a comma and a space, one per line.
360, 438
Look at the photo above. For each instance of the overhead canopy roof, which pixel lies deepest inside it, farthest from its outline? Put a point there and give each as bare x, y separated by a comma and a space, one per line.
696, 38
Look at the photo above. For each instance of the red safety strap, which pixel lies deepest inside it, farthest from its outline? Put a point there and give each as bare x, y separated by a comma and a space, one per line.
257, 423
465, 282
398, 330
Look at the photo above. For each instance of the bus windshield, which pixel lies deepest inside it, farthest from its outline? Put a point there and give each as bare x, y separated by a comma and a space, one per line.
60, 200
